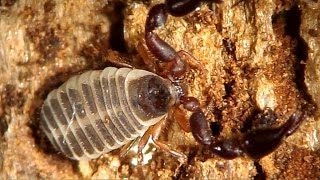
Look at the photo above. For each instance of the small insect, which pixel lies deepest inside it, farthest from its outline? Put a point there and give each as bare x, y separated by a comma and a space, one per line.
99, 111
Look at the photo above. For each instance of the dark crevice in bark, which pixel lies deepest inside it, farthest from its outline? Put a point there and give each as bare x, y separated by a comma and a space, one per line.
261, 175
117, 41
292, 23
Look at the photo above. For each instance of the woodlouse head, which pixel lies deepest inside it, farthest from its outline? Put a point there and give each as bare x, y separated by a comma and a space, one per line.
152, 96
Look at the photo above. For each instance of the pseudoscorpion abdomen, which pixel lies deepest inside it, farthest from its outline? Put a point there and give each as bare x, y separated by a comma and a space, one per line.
99, 111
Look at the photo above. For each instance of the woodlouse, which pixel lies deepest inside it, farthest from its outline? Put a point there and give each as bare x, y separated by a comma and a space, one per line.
99, 111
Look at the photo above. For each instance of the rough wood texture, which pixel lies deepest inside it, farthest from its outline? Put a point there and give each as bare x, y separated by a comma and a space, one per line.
258, 54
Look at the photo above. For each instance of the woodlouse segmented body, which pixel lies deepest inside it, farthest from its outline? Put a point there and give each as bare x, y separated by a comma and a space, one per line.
99, 111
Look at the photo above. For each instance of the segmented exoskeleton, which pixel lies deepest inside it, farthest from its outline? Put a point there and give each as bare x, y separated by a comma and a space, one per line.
99, 111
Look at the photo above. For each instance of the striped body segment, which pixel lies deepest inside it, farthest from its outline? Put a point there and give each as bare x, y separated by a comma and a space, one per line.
99, 111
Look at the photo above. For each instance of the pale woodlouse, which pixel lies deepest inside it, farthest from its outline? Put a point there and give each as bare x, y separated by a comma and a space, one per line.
99, 111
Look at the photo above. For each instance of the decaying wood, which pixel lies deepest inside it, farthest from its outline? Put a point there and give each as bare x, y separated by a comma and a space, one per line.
258, 54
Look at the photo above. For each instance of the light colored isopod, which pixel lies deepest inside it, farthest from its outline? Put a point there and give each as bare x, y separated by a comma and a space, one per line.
99, 111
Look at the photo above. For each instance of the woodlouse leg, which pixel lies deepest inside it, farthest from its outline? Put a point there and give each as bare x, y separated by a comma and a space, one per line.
142, 143
126, 148
154, 132
164, 147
